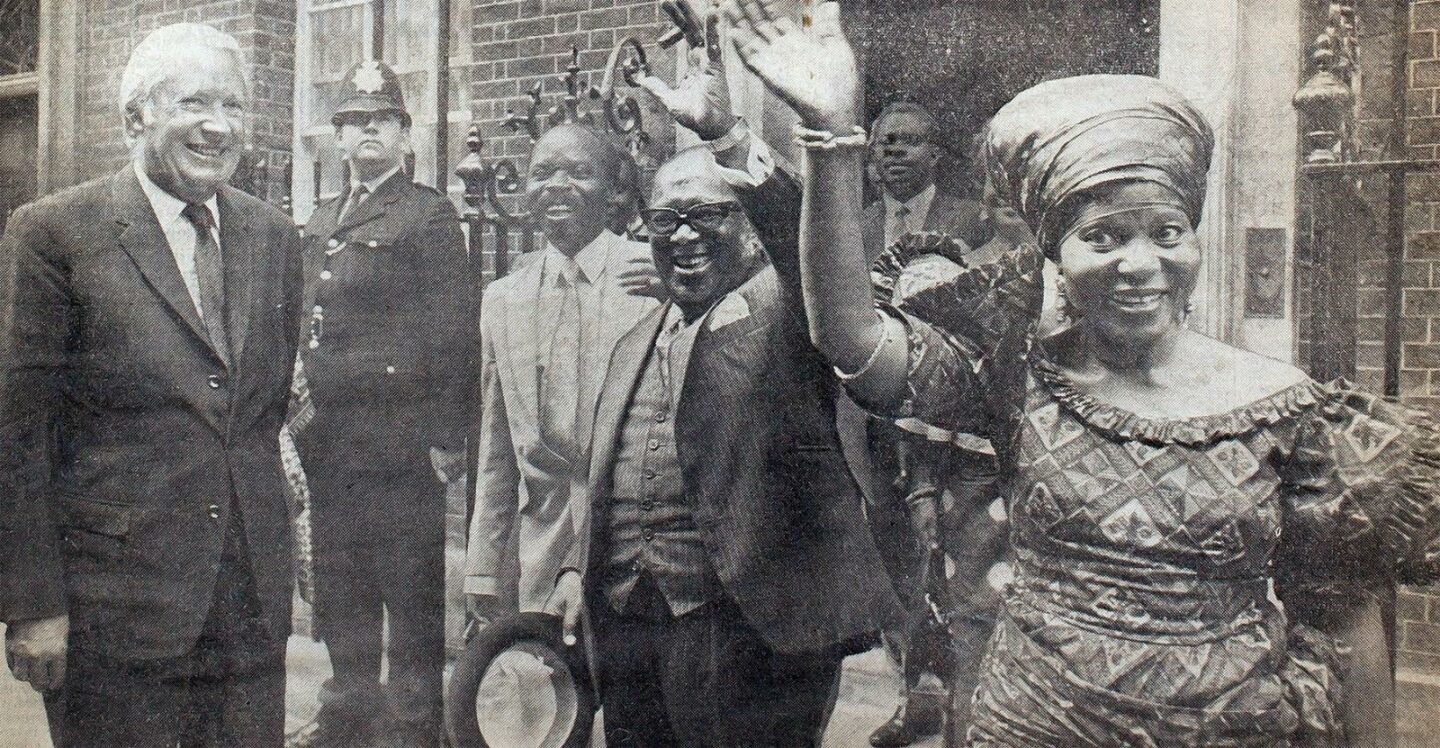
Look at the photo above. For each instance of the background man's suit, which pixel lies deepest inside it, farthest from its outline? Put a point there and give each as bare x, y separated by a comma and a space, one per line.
523, 486
768, 489
144, 467
973, 538
387, 366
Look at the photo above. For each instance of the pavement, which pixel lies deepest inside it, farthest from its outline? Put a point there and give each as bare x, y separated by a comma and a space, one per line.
868, 691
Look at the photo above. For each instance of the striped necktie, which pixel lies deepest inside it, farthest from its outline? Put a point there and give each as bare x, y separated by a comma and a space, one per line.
210, 273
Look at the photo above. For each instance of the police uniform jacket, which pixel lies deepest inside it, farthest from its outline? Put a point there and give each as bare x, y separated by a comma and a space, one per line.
386, 329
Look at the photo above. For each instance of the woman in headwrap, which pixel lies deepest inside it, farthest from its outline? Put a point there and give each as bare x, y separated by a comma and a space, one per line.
1166, 491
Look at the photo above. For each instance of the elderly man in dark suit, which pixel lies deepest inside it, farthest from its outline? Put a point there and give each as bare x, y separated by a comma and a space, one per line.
724, 559
147, 330
385, 352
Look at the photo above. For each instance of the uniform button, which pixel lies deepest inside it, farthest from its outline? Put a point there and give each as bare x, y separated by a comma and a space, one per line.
214, 380
318, 309
649, 474
635, 566
647, 504
326, 275
648, 534
213, 510
372, 244
661, 416
389, 370
314, 344
654, 444
333, 243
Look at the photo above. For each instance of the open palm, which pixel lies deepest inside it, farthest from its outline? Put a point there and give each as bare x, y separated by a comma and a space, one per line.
814, 72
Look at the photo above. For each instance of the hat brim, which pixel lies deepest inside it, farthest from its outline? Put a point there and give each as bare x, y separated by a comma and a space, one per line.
535, 634
367, 104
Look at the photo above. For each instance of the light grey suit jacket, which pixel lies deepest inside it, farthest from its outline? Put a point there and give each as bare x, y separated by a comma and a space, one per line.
523, 486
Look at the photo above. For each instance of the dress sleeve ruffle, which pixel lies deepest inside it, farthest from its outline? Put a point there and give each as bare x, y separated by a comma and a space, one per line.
967, 329
1362, 498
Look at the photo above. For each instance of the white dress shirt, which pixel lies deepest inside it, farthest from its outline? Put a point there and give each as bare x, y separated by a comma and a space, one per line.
180, 232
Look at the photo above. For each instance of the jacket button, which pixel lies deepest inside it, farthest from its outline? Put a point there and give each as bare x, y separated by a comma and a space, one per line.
654, 444
660, 417
648, 534
214, 380
389, 369
326, 275
214, 511
333, 243
647, 505
372, 244
649, 474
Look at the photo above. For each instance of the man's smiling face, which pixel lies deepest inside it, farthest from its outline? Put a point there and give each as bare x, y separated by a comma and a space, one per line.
192, 129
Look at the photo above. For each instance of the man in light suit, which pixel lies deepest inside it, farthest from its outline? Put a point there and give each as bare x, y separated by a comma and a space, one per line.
547, 333
725, 562
147, 332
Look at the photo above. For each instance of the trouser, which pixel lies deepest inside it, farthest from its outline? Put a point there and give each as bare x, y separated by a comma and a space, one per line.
228, 690
364, 570
704, 679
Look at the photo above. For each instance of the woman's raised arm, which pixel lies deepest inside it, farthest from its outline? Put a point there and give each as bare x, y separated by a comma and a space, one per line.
813, 70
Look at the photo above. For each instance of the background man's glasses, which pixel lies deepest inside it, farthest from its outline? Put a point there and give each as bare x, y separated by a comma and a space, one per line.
363, 119
902, 138
705, 216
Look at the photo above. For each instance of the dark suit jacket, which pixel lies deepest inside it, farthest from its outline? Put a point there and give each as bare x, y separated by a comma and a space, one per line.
124, 440
957, 216
390, 378
779, 511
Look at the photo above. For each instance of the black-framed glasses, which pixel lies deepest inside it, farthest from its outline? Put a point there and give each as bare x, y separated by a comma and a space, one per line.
705, 216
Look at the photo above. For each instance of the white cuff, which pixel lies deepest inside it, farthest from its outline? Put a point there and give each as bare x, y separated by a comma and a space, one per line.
887, 326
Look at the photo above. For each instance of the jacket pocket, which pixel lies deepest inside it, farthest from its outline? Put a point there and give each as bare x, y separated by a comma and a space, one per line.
107, 518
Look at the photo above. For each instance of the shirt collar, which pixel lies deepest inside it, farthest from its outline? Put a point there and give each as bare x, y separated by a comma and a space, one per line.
591, 259
919, 205
167, 207
373, 184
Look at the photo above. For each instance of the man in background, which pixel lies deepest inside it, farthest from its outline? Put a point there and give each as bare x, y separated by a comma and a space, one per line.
147, 333
384, 348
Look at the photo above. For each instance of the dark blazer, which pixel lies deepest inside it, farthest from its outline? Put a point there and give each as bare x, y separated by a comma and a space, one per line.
779, 511
390, 378
957, 216
124, 439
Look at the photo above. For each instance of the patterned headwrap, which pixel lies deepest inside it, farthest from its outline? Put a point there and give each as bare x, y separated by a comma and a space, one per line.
1065, 136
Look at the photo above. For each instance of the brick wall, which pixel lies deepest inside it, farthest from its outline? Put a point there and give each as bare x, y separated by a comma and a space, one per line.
517, 43
108, 30
1418, 609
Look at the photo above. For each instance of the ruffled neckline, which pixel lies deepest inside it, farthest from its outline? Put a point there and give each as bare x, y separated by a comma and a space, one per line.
1283, 405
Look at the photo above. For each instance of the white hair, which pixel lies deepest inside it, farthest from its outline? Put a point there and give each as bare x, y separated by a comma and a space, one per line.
163, 51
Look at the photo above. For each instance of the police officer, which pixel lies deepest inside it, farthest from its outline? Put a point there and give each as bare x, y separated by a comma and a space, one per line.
384, 345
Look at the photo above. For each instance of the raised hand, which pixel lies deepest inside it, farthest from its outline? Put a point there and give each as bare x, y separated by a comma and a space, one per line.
701, 102
812, 71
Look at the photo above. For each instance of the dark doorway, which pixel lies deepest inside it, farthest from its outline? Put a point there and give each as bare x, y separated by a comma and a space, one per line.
19, 151
966, 59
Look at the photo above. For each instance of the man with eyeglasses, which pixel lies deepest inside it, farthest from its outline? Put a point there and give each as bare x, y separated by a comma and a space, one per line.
388, 319
725, 563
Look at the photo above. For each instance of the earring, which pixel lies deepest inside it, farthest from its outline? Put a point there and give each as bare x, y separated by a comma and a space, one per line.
1062, 302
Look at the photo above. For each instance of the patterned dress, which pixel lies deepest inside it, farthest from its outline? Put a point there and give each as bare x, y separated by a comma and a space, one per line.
1152, 557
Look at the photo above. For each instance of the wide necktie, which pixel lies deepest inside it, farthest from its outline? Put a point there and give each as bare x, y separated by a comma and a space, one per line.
560, 379
902, 223
210, 274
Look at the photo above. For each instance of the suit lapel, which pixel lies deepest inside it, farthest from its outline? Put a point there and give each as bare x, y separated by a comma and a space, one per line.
244, 260
629, 358
144, 241
320, 229
373, 206
518, 347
